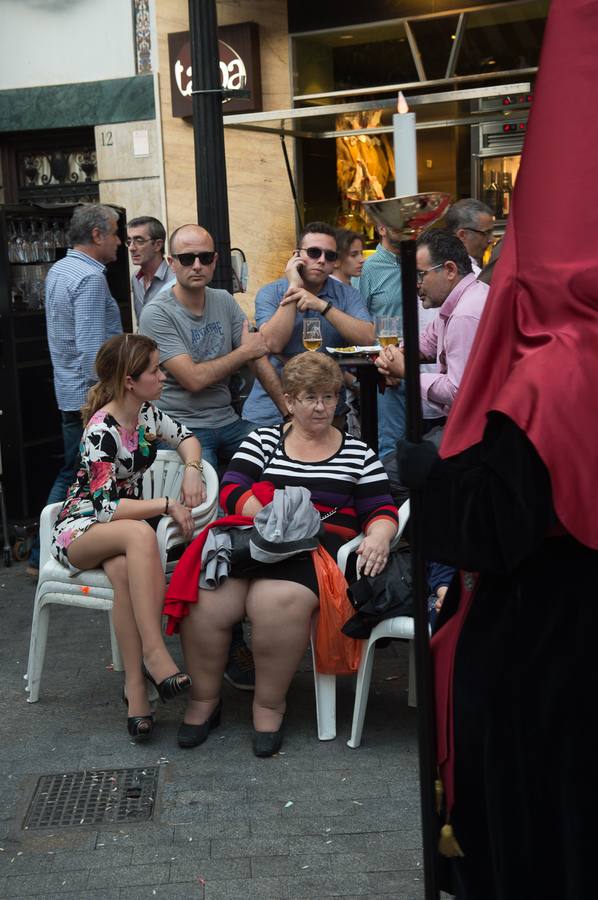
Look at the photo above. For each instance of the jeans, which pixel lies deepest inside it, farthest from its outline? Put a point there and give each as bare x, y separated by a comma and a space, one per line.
220, 444
392, 412
72, 430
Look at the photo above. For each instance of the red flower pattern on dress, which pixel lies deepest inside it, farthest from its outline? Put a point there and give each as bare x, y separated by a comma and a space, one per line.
100, 475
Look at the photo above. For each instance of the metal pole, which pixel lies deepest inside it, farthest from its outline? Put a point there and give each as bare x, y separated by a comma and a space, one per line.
291, 180
423, 666
208, 133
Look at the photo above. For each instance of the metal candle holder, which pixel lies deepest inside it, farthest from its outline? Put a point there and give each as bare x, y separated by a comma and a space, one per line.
410, 216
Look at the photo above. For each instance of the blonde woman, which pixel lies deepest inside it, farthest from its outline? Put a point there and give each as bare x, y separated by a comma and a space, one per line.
103, 520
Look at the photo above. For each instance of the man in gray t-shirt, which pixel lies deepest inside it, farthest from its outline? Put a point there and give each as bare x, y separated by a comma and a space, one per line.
204, 338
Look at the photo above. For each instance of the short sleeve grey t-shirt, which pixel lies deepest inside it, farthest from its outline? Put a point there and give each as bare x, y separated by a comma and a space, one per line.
178, 331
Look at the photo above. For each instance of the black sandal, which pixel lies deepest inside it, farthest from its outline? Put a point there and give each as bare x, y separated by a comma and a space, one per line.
139, 727
171, 686
136, 726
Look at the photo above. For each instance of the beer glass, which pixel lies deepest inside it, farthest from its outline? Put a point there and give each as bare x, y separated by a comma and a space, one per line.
387, 330
312, 334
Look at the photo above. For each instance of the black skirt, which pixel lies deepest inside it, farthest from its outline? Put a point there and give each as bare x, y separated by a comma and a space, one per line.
300, 568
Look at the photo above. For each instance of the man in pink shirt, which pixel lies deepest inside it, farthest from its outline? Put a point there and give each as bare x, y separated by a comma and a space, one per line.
445, 279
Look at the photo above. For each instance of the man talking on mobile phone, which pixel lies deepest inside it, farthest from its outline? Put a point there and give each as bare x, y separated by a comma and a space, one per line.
306, 291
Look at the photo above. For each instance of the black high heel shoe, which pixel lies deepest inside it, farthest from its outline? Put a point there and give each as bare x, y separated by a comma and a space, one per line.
193, 735
267, 743
171, 686
139, 727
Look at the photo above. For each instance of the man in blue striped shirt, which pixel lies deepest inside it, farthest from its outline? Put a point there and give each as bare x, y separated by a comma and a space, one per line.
80, 315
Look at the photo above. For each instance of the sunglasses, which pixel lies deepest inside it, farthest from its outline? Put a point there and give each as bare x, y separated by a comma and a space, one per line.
488, 233
137, 241
316, 253
206, 257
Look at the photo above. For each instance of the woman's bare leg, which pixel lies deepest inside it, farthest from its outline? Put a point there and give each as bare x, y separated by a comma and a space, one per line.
205, 636
280, 614
127, 635
136, 541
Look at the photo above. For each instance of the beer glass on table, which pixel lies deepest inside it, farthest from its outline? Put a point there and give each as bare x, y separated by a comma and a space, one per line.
312, 334
387, 330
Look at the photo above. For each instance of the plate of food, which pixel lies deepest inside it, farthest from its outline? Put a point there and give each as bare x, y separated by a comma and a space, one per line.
353, 350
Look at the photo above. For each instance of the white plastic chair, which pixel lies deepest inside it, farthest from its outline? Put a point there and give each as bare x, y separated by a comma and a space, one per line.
325, 685
92, 589
398, 627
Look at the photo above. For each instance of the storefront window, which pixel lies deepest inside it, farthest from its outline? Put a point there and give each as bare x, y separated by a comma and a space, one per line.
354, 58
502, 39
435, 38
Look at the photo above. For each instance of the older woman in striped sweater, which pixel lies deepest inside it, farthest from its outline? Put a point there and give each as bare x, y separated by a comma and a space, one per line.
350, 490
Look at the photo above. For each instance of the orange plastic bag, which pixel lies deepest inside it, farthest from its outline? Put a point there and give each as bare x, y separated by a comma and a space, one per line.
336, 654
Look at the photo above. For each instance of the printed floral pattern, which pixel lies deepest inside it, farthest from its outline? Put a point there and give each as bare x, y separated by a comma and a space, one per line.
113, 461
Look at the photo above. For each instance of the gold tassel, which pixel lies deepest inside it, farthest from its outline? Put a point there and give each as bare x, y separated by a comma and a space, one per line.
448, 845
439, 792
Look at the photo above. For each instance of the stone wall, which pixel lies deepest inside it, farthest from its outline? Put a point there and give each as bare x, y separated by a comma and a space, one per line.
261, 207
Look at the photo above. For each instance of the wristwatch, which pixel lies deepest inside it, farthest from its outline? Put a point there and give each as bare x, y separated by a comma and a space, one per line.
326, 309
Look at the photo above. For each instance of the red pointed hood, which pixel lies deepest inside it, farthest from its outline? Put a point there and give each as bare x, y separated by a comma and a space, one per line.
535, 357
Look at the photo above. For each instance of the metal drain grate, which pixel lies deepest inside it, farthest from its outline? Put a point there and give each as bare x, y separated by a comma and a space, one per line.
90, 797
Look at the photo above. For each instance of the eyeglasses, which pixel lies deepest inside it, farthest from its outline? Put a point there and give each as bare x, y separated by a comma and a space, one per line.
206, 257
138, 241
487, 233
421, 273
311, 402
316, 253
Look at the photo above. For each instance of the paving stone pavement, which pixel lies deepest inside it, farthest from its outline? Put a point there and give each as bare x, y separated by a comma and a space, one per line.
318, 820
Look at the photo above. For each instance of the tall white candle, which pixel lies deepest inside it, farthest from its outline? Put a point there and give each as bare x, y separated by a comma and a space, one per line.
405, 150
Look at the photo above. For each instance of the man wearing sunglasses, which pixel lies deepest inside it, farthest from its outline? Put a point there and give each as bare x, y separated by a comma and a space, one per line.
473, 223
203, 337
307, 290
445, 281
146, 239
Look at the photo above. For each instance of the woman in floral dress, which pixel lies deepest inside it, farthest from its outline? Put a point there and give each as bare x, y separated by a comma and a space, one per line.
103, 520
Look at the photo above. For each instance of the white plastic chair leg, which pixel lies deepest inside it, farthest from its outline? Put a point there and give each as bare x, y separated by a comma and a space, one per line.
117, 660
325, 690
37, 649
412, 695
362, 690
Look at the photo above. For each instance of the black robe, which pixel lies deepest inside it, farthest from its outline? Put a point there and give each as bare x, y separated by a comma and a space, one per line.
525, 679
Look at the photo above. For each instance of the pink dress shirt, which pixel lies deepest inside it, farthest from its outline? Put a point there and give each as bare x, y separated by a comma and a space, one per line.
449, 339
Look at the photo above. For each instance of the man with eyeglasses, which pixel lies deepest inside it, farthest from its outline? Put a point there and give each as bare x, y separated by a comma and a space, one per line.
473, 223
381, 287
146, 239
306, 291
445, 281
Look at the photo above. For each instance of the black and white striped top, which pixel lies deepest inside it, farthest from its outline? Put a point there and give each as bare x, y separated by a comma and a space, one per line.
352, 481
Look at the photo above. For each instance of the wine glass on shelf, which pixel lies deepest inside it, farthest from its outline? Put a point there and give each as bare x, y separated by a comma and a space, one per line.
387, 330
13, 251
59, 234
37, 252
48, 244
312, 334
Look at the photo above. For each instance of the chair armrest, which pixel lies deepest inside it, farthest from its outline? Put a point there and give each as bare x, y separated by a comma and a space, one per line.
353, 544
345, 551
168, 534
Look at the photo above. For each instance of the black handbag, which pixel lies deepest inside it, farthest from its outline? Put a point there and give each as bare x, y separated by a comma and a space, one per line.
384, 596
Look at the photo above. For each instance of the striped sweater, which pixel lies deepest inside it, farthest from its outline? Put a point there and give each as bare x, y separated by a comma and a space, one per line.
352, 482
